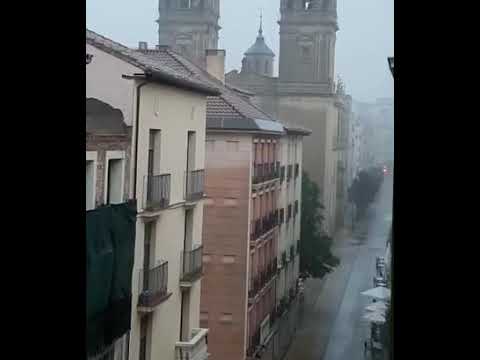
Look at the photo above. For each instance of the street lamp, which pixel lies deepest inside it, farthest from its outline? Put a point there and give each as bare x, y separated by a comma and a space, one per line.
390, 64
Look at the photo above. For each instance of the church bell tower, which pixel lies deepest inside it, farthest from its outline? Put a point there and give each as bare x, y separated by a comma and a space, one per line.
307, 41
189, 26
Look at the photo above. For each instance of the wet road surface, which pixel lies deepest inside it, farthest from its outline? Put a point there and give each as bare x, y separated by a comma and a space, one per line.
331, 325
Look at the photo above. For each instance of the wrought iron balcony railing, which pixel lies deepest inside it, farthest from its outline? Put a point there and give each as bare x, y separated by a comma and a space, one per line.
265, 172
157, 191
153, 283
264, 225
192, 264
195, 185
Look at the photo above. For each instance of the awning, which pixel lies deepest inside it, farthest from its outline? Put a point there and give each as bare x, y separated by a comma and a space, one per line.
380, 292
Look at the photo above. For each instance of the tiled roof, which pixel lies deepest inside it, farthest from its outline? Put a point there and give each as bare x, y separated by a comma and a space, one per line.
147, 64
228, 105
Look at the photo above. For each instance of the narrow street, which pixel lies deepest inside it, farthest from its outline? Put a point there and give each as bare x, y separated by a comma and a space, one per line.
331, 325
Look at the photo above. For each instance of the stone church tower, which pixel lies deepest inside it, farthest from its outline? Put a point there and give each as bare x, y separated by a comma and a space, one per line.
307, 41
189, 26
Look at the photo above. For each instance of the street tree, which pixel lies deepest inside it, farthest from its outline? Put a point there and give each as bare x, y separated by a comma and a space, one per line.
364, 189
316, 257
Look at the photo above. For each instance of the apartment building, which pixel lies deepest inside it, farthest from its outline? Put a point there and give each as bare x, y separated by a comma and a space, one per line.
166, 111
109, 258
245, 161
291, 149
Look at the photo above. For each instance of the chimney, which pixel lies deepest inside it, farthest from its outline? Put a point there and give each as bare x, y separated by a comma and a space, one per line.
142, 45
216, 63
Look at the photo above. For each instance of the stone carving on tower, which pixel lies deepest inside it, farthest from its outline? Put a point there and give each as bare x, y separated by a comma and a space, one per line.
189, 26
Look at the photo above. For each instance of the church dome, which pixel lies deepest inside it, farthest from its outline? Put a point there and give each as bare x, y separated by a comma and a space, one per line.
260, 47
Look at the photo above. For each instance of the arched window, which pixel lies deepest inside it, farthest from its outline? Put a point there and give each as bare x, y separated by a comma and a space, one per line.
257, 66
266, 67
289, 4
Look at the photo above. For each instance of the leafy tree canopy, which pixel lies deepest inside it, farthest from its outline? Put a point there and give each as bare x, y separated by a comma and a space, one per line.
316, 257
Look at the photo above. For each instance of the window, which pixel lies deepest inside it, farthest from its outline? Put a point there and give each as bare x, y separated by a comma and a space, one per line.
154, 152
144, 335
226, 318
185, 4
148, 252
191, 141
266, 67
91, 176
228, 259
306, 51
114, 176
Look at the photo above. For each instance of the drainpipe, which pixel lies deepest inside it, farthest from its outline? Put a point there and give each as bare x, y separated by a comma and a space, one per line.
137, 129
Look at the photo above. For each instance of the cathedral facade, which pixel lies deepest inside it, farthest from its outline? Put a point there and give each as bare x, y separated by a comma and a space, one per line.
305, 93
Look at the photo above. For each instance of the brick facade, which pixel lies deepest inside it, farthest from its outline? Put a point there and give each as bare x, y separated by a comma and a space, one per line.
101, 144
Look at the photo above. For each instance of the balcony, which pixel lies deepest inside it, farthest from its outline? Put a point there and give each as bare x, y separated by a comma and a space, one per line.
153, 289
194, 349
262, 279
264, 225
195, 185
156, 192
192, 266
265, 172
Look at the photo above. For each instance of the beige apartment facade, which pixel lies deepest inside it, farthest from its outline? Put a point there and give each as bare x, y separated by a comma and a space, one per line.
167, 112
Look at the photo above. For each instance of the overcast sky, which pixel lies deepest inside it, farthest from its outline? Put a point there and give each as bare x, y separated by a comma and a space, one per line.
364, 41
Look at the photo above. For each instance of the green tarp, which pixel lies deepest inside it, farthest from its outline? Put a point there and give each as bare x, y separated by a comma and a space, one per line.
110, 241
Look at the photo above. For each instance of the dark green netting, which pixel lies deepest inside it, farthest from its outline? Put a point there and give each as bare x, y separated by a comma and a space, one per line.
110, 241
